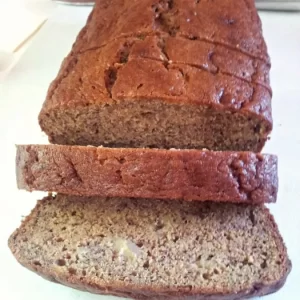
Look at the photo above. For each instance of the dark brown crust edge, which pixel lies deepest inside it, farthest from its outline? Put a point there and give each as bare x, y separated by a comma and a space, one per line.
243, 177
146, 292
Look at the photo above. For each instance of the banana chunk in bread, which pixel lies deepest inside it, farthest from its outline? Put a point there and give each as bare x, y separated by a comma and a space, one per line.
164, 74
153, 250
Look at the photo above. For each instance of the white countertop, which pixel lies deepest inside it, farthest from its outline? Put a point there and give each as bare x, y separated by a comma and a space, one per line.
22, 94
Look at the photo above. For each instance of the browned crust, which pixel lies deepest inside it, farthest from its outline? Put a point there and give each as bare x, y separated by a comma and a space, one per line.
148, 173
208, 75
154, 292
235, 25
224, 65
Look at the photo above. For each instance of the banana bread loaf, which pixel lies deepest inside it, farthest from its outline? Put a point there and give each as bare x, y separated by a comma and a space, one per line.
154, 250
164, 74
148, 173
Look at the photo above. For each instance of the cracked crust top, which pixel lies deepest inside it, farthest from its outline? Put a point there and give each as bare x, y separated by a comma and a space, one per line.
200, 53
131, 69
234, 24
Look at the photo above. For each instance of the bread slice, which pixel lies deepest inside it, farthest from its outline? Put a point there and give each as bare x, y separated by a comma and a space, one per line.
153, 250
164, 74
148, 173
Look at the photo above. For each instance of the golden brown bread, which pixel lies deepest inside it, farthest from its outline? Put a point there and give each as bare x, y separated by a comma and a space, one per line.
164, 74
157, 73
148, 173
234, 24
154, 249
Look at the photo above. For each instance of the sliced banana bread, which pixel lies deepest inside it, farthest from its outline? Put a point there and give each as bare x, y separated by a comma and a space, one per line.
153, 250
148, 173
164, 74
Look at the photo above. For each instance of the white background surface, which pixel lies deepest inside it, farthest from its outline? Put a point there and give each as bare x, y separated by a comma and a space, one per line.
22, 94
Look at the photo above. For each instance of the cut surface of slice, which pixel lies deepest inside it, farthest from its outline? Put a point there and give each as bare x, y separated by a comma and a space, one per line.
158, 250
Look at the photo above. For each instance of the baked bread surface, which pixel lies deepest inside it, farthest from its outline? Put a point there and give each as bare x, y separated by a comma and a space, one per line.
160, 250
243, 177
164, 74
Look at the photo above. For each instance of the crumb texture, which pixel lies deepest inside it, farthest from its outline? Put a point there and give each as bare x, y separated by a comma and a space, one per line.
141, 248
148, 173
164, 74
